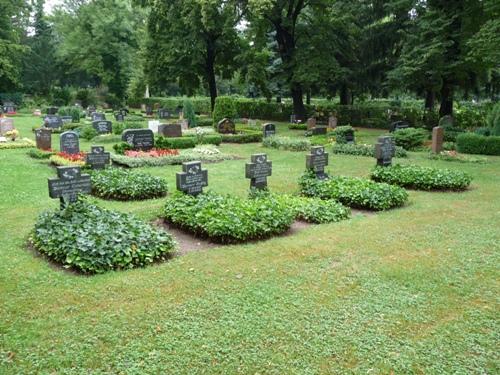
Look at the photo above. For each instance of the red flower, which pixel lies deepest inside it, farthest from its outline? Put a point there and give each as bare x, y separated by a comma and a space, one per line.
153, 153
72, 157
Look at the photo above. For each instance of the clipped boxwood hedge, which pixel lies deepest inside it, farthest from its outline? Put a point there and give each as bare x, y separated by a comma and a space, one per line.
470, 143
122, 184
286, 143
245, 136
422, 178
363, 150
91, 239
229, 219
354, 192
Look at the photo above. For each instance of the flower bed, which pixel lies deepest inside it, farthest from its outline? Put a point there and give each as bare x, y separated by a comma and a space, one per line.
153, 153
91, 239
65, 159
229, 219
121, 184
354, 192
422, 178
18, 143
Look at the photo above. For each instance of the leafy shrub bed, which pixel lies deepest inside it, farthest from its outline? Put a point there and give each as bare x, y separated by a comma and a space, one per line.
298, 126
410, 138
20, 143
95, 240
454, 156
286, 143
229, 219
245, 136
354, 192
319, 211
422, 178
64, 159
363, 150
188, 142
121, 184
341, 133
206, 153
471, 143
39, 154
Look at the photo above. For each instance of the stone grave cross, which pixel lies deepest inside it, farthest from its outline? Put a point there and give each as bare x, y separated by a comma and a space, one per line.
192, 179
69, 184
258, 170
317, 160
385, 150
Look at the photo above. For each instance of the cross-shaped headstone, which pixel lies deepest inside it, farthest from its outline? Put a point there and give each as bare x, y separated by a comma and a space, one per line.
317, 160
385, 150
97, 158
192, 179
258, 170
69, 184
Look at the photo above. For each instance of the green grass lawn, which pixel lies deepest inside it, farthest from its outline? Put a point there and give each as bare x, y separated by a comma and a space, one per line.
412, 290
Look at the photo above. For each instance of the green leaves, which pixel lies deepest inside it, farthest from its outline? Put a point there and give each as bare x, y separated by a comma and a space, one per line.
286, 143
410, 138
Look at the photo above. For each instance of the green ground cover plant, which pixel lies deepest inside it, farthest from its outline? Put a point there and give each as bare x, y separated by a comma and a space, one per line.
122, 184
410, 138
363, 150
354, 192
35, 153
424, 178
286, 143
91, 239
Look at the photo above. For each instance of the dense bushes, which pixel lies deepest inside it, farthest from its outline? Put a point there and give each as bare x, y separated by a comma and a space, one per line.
122, 184
88, 132
341, 133
224, 107
229, 218
422, 178
319, 211
298, 126
119, 127
201, 104
242, 137
189, 115
95, 240
354, 192
286, 143
470, 143
493, 120
35, 153
188, 142
363, 150
74, 112
410, 138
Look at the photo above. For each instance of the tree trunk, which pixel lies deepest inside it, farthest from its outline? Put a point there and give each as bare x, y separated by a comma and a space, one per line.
345, 96
210, 74
308, 97
446, 100
430, 96
298, 103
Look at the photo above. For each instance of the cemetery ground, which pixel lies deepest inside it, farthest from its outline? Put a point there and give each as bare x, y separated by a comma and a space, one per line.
408, 290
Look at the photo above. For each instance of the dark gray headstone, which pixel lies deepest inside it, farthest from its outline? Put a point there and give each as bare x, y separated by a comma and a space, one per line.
69, 184
398, 125
98, 116
319, 130
66, 119
103, 127
43, 138
139, 139
385, 150
52, 121
52, 110
149, 110
9, 108
97, 158
317, 160
170, 130
268, 130
69, 142
226, 126
349, 136
119, 117
90, 109
258, 170
192, 179
163, 113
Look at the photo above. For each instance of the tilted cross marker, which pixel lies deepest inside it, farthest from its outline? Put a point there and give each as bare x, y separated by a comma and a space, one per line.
69, 184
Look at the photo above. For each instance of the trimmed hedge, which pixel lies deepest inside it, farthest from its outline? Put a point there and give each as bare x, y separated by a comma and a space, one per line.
471, 143
410, 138
243, 136
363, 150
354, 192
298, 126
92, 240
422, 178
286, 143
229, 219
224, 107
122, 184
35, 153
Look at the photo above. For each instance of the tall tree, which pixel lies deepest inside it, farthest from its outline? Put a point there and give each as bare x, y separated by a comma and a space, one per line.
192, 41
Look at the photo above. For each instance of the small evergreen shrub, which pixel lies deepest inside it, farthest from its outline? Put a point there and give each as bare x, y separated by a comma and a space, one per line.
189, 114
229, 219
483, 131
297, 126
422, 178
451, 133
119, 127
93, 240
286, 143
35, 153
354, 192
204, 122
88, 132
224, 107
74, 112
341, 132
410, 138
242, 137
470, 143
493, 120
175, 143
363, 150
122, 184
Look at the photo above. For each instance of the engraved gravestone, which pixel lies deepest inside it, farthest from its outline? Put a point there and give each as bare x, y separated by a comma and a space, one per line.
52, 121
97, 158
170, 130
52, 110
258, 170
69, 142
69, 184
6, 125
268, 130
226, 126
349, 136
163, 113
43, 138
437, 139
90, 109
103, 127
398, 125
98, 116
192, 179
139, 139
385, 150
311, 123
318, 130
317, 160
149, 110
120, 117
66, 119
332, 122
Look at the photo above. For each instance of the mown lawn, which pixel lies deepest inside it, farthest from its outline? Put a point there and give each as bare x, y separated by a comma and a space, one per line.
412, 290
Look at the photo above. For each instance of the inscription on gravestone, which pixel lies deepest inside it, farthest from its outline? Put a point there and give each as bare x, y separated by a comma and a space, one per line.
98, 116
226, 126
43, 138
69, 184
66, 119
103, 127
139, 139
97, 158
149, 110
52, 121
385, 150
317, 160
170, 130
69, 142
258, 170
192, 179
268, 130
163, 113
52, 110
